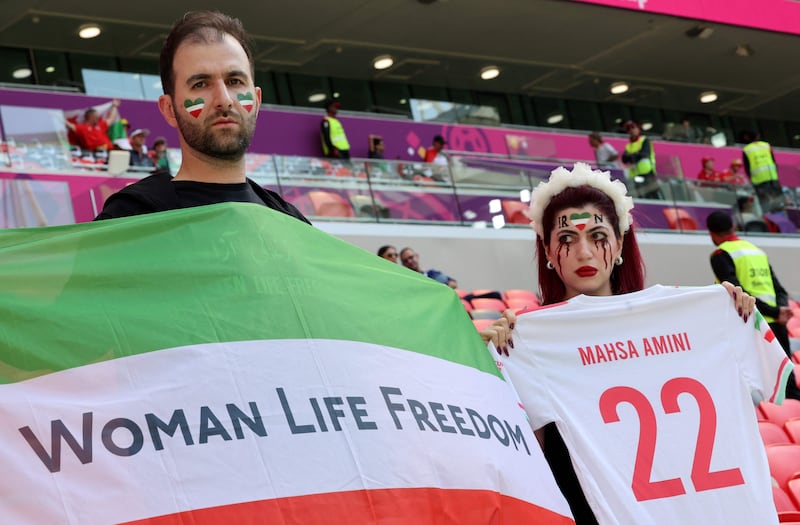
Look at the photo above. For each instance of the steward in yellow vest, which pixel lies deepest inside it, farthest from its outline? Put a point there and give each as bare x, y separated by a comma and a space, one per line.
334, 139
640, 160
759, 163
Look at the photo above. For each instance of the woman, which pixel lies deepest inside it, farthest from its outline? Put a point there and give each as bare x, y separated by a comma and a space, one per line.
586, 245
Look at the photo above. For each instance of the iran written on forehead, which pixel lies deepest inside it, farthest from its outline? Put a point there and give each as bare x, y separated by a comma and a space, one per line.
579, 219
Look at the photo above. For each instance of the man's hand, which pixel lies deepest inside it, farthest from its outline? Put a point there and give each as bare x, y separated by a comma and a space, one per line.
784, 315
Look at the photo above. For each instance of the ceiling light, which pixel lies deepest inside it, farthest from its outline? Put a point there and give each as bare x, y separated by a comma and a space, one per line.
49, 69
21, 72
316, 97
700, 32
555, 118
490, 72
87, 31
383, 62
744, 50
618, 88
706, 97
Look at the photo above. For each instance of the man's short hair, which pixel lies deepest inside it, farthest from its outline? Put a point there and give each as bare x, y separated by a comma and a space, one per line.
88, 112
719, 222
200, 27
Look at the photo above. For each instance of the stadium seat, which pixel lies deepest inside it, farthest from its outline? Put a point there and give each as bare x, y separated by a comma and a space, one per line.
520, 303
793, 326
466, 304
515, 212
489, 304
462, 293
792, 429
479, 313
791, 517
783, 501
772, 434
784, 462
328, 204
484, 291
780, 414
516, 293
679, 219
793, 491
480, 324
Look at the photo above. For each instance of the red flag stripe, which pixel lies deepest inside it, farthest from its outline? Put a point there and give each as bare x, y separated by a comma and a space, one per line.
422, 506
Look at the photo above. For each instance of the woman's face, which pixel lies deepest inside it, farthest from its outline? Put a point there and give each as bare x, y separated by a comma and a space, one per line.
583, 249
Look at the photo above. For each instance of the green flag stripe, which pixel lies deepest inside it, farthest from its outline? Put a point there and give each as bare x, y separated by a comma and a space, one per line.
79, 294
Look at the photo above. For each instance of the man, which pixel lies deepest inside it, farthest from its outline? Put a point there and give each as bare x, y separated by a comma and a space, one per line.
708, 173
410, 259
139, 155
760, 166
158, 153
641, 161
334, 139
434, 154
743, 264
209, 96
604, 153
92, 133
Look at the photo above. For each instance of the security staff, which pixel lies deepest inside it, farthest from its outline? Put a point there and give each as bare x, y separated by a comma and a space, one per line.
334, 139
641, 161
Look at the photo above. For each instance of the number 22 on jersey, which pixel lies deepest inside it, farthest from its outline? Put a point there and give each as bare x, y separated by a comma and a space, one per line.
702, 478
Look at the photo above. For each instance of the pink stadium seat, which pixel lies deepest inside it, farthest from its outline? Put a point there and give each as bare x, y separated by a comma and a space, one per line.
489, 304
484, 291
780, 414
466, 304
517, 293
772, 434
515, 212
679, 219
328, 204
784, 462
793, 490
520, 303
783, 502
462, 293
792, 429
480, 324
794, 326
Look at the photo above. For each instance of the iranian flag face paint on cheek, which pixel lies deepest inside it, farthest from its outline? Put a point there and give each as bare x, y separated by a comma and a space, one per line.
194, 107
246, 101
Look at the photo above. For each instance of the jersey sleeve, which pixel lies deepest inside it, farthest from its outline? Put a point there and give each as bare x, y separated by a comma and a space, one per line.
763, 362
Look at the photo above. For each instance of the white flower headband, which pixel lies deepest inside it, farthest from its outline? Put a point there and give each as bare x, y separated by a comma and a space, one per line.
581, 175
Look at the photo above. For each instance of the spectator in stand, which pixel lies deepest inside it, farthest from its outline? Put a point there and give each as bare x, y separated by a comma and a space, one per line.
742, 263
376, 147
92, 133
640, 158
410, 259
759, 163
707, 172
334, 139
388, 252
735, 174
434, 155
158, 153
207, 71
686, 132
604, 153
139, 156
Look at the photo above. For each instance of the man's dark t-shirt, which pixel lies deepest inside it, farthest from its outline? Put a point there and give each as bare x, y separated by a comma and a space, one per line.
159, 192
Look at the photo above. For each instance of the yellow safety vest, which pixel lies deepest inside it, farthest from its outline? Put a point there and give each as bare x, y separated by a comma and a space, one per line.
338, 138
644, 166
762, 167
752, 271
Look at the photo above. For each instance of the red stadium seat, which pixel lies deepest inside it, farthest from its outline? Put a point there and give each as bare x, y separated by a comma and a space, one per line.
784, 462
462, 293
780, 414
489, 304
679, 219
480, 324
783, 502
793, 326
792, 429
520, 303
466, 304
517, 293
772, 434
793, 491
791, 517
484, 291
328, 204
515, 212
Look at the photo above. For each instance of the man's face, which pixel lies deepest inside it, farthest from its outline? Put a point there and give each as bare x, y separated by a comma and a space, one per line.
137, 141
410, 260
215, 103
92, 117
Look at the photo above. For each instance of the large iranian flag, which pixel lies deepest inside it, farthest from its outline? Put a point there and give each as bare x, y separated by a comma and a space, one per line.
230, 364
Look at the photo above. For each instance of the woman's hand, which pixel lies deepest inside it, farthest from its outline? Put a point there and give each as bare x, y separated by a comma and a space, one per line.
744, 303
499, 332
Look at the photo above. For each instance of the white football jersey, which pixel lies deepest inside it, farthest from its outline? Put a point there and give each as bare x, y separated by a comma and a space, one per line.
653, 393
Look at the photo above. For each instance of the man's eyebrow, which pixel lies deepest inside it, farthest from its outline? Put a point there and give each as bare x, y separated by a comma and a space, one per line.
199, 76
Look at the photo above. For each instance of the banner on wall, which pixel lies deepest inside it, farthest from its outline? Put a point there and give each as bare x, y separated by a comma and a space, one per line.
217, 364
770, 15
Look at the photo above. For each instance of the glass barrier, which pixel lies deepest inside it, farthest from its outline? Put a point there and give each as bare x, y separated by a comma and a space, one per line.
472, 191
35, 138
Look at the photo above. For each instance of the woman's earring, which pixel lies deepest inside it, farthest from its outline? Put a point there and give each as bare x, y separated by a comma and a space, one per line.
550, 265
618, 261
